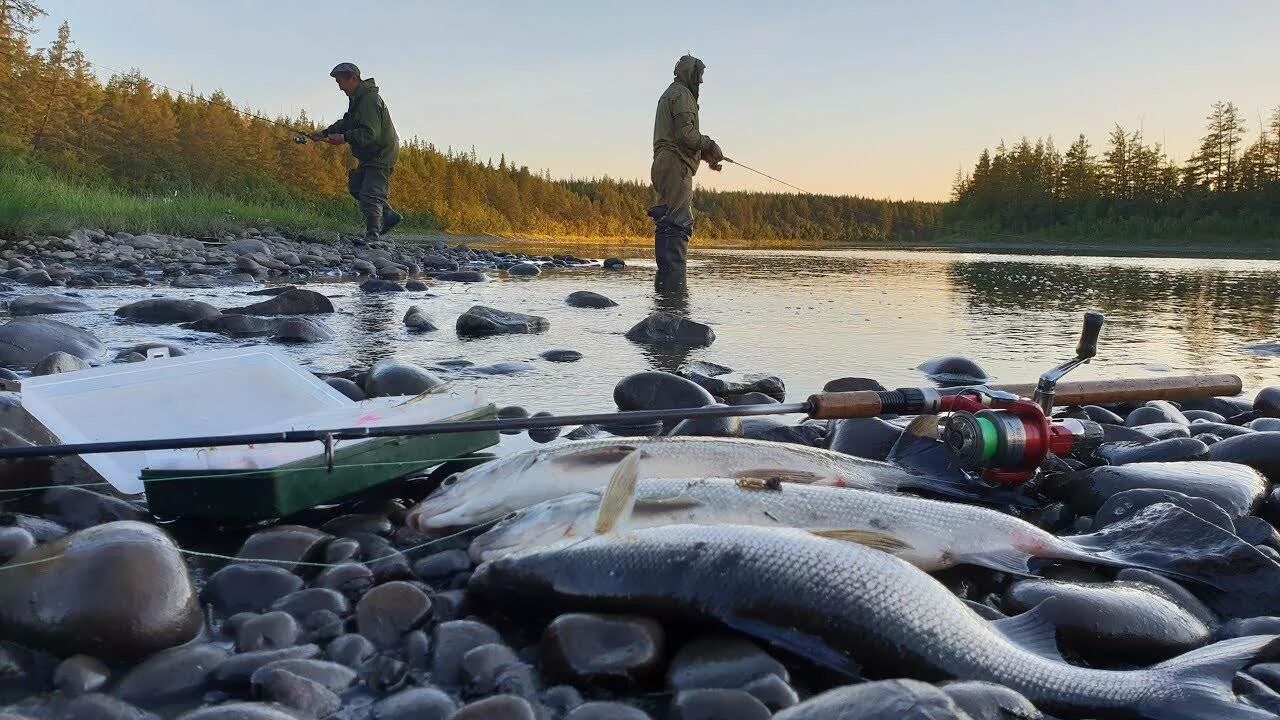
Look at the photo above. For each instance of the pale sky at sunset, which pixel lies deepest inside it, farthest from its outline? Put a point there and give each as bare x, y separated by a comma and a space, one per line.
869, 98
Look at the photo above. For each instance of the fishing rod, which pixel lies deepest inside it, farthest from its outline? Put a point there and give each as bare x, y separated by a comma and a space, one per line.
761, 174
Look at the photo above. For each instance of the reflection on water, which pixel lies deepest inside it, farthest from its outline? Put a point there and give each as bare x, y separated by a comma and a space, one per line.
807, 316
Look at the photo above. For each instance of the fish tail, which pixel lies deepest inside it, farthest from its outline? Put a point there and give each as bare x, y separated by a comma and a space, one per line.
1198, 684
619, 495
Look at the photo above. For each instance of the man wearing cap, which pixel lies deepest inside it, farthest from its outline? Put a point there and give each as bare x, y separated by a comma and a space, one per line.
678, 146
367, 128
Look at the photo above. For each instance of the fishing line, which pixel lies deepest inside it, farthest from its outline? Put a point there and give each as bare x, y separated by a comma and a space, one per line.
784, 182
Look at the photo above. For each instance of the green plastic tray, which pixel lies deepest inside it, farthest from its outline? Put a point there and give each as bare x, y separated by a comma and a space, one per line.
287, 489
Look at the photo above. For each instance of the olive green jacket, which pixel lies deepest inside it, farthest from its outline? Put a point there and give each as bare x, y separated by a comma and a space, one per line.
367, 127
675, 126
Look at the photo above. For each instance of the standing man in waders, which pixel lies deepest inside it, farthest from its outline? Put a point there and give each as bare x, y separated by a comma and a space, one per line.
678, 147
367, 128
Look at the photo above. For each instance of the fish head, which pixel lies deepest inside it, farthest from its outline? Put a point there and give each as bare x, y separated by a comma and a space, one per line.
475, 495
539, 525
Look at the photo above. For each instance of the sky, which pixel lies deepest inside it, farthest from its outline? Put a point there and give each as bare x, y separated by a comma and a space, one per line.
880, 99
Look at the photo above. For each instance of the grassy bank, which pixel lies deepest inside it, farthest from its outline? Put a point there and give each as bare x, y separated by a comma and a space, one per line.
35, 202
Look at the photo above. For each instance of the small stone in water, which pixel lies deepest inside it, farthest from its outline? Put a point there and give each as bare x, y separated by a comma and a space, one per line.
563, 356
498, 707
80, 674
271, 631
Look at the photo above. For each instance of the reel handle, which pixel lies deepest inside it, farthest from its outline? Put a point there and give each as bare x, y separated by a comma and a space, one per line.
1088, 345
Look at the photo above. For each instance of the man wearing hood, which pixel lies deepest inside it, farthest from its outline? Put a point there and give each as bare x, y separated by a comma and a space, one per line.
678, 147
366, 128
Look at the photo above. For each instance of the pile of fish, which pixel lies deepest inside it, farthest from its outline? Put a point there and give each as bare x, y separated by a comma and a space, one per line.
872, 569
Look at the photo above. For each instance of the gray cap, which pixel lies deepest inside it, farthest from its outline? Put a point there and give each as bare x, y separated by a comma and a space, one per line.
344, 69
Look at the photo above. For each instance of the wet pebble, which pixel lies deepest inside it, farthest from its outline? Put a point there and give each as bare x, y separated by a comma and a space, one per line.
481, 321
388, 611
1233, 487
271, 631
659, 391
391, 376
721, 661
1171, 450
248, 587
234, 672
294, 691
14, 540
286, 546
1164, 430
1127, 503
953, 370
708, 427
498, 707
1110, 625
420, 703
882, 700
606, 711
561, 699
380, 285
618, 650
450, 642
670, 329
717, 705
80, 674
438, 566
1259, 450
1156, 411
351, 579
342, 550
561, 356
1267, 402
329, 674
1244, 627
302, 603
172, 674
773, 691
239, 711
449, 605
870, 438
415, 318
989, 701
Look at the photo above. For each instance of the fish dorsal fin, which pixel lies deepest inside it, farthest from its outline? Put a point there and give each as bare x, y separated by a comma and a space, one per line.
594, 457
1032, 631
868, 538
619, 495
771, 476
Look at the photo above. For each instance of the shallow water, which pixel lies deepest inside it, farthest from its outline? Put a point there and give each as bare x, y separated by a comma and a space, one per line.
806, 316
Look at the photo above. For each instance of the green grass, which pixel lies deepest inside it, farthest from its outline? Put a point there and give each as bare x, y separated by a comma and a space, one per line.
35, 202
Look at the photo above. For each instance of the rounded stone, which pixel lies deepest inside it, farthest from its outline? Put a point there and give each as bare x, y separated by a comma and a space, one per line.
450, 642
721, 661
294, 691
302, 603
239, 711
294, 301
415, 318
347, 387
1171, 450
882, 700
670, 329
870, 438
271, 631
167, 310
118, 591
989, 701
248, 587
481, 321
1267, 402
441, 565
329, 674
388, 611
655, 390
606, 711
614, 263
391, 377
524, 269
26, 341
380, 285
421, 703
954, 370
80, 674
301, 330
773, 691
1259, 450
234, 672
351, 579
498, 707
285, 546
46, 304
469, 276
718, 704
350, 649
561, 356
619, 650
172, 674
588, 299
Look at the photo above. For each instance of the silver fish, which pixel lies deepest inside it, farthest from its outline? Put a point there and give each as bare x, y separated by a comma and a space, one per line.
930, 534
857, 610
490, 491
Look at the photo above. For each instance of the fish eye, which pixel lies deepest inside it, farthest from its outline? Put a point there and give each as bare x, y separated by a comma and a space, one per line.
510, 516
450, 481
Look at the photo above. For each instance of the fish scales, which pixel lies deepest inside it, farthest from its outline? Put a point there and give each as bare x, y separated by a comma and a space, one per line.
833, 601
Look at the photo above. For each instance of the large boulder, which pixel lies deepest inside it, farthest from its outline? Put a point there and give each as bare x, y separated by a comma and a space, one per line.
302, 330
58, 362
663, 328
481, 321
28, 340
167, 310
295, 301
118, 591
45, 304
390, 376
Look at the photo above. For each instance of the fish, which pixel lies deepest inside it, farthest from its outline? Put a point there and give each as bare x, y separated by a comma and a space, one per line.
856, 610
488, 492
930, 534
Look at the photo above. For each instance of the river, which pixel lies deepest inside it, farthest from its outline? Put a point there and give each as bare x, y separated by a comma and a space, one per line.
806, 316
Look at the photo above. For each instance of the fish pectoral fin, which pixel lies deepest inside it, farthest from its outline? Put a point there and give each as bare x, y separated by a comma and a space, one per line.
595, 457
619, 497
868, 538
1009, 560
767, 478
810, 647
1032, 631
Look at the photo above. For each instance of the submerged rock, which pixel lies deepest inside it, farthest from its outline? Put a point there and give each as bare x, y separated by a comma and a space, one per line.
561, 356
481, 321
117, 591
301, 330
347, 387
46, 304
415, 318
167, 310
26, 341
588, 299
236, 326
390, 376
294, 301
58, 362
954, 370
662, 328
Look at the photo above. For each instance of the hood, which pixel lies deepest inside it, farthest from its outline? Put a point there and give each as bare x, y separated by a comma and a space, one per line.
689, 73
365, 87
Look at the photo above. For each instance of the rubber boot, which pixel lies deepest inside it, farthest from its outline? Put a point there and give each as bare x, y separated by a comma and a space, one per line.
390, 219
